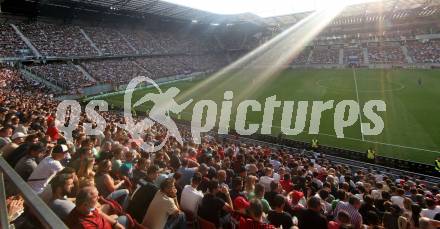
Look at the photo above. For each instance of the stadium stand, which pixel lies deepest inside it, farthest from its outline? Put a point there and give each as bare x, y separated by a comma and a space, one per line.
302, 57
113, 71
325, 55
385, 53
10, 43
57, 40
66, 76
290, 175
143, 41
109, 41
425, 52
353, 55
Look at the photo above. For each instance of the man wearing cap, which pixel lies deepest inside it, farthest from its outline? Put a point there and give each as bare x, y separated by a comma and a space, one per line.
47, 169
27, 164
17, 139
295, 198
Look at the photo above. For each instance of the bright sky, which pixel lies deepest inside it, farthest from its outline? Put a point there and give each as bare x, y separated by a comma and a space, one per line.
262, 8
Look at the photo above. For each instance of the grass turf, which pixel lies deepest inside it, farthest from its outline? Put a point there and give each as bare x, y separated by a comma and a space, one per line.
411, 120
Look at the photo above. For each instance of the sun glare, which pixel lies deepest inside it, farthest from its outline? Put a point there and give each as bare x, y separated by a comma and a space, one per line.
262, 64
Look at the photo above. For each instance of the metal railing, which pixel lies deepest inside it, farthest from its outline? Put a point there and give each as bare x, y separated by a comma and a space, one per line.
38, 208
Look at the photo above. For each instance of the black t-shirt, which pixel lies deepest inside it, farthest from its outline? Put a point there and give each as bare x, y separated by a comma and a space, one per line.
141, 200
278, 219
211, 208
17, 154
270, 197
310, 219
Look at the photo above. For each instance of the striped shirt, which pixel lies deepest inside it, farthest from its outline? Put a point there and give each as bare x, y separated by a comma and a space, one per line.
355, 216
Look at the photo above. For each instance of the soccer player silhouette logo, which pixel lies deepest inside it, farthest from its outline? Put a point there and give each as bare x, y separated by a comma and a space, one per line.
164, 103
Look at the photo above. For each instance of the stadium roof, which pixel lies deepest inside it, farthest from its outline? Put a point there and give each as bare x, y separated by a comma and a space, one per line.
370, 11
354, 13
152, 7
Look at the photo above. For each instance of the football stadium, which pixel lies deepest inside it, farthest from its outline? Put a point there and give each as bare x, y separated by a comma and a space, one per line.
166, 114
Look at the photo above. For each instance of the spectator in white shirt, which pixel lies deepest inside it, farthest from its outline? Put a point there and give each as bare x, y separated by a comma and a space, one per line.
47, 169
267, 178
191, 197
432, 209
398, 198
5, 134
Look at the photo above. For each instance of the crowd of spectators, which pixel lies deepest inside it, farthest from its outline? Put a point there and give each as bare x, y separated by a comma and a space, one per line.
178, 65
109, 181
64, 75
386, 54
121, 71
142, 40
302, 57
166, 66
325, 55
10, 43
109, 40
232, 39
53, 39
57, 40
424, 52
211, 62
116, 71
351, 54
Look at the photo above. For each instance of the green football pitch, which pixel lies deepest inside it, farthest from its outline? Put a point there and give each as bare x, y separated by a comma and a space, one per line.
411, 120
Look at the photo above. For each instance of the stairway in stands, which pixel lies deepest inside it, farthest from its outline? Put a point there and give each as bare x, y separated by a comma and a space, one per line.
407, 56
32, 77
26, 41
365, 52
91, 42
128, 43
85, 73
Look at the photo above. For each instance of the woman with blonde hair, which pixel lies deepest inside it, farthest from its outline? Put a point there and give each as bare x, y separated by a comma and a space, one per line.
249, 186
86, 168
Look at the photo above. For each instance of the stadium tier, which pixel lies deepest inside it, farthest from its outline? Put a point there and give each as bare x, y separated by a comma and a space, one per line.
149, 114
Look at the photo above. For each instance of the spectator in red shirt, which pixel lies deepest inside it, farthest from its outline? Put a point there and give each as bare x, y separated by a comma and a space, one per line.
343, 219
286, 183
86, 215
255, 220
52, 131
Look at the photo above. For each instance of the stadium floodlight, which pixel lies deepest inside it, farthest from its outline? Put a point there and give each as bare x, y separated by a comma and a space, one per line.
194, 21
261, 65
215, 24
